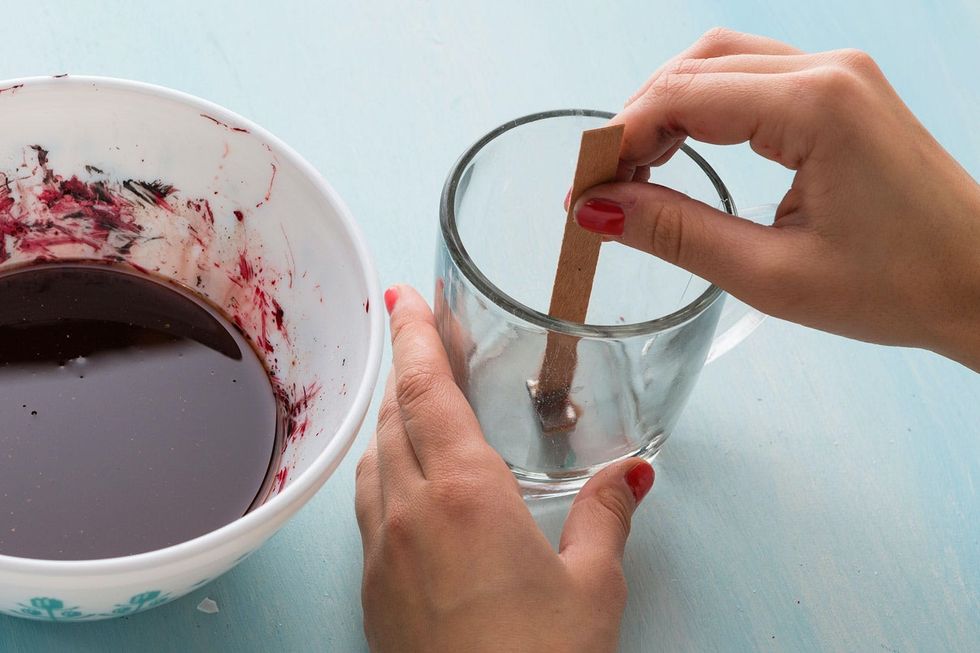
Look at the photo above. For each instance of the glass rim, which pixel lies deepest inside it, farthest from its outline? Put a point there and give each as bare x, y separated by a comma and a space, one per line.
454, 244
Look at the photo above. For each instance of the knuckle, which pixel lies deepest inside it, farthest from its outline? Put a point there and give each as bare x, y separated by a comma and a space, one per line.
398, 528
667, 232
717, 36
857, 61
686, 66
415, 387
366, 465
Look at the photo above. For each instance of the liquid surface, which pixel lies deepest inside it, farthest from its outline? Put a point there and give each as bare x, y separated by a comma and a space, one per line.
133, 416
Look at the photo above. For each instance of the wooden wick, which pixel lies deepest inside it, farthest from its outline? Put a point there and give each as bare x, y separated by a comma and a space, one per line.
598, 161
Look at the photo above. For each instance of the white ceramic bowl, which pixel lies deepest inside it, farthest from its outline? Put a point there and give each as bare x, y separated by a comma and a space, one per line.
255, 229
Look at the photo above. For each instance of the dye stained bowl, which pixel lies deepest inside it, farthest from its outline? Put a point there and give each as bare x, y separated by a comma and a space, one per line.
98, 169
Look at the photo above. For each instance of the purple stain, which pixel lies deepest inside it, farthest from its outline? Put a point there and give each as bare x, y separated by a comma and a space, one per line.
268, 192
150, 192
42, 155
278, 313
224, 124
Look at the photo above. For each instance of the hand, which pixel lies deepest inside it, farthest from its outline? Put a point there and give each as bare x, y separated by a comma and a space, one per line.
453, 560
879, 236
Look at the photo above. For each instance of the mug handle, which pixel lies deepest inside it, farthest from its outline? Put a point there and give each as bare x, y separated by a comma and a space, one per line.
738, 319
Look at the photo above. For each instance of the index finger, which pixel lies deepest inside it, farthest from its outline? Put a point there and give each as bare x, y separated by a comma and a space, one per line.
721, 108
651, 138
438, 420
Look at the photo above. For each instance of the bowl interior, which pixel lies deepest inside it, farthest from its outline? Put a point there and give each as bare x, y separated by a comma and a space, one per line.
99, 170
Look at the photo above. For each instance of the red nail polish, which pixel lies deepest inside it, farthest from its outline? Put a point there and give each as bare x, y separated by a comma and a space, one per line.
391, 296
640, 479
601, 217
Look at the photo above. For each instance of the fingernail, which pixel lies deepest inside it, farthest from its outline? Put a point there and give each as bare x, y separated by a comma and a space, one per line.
640, 479
391, 296
568, 198
602, 217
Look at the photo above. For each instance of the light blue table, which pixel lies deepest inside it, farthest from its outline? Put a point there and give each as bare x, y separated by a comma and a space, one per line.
818, 494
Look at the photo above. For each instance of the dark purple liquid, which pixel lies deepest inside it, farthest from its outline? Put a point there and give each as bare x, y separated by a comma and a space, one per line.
133, 416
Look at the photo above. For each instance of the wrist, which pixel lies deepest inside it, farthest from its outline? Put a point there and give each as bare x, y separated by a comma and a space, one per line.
961, 341
957, 329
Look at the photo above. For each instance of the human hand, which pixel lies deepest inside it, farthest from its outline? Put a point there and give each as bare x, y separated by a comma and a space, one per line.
877, 239
452, 558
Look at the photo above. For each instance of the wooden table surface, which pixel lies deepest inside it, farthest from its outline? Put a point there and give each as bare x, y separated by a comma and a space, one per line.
818, 494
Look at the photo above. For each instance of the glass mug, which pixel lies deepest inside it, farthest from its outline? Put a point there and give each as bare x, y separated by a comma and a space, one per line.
650, 326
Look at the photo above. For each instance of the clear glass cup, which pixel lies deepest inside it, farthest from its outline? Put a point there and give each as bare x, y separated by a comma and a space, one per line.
650, 327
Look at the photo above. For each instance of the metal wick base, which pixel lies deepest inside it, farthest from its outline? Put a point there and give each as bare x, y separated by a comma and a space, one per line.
556, 412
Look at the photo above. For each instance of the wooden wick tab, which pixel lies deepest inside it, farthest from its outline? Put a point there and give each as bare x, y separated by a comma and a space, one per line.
598, 162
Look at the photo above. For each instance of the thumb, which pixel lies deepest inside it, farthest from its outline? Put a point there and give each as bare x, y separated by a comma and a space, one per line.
741, 256
599, 521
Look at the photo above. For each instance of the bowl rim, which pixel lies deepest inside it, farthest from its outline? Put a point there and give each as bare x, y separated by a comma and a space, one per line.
306, 484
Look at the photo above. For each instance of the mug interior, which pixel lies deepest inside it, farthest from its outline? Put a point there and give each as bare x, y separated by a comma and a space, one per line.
503, 220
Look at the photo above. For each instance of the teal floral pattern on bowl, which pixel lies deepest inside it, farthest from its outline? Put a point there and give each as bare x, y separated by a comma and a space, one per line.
46, 608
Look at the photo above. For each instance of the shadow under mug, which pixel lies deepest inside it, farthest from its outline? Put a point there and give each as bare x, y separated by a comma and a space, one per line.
650, 329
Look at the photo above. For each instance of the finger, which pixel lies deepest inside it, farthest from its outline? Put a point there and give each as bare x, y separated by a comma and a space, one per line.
750, 63
641, 174
719, 108
367, 493
397, 464
439, 422
598, 523
745, 258
665, 157
720, 43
